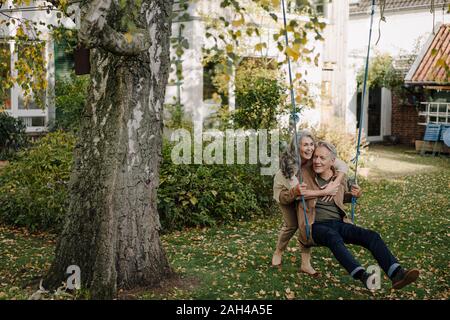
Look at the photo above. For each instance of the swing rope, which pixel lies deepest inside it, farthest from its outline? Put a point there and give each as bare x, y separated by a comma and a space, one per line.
361, 117
294, 108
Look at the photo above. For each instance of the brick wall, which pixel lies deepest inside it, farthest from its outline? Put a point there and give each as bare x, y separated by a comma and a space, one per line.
405, 121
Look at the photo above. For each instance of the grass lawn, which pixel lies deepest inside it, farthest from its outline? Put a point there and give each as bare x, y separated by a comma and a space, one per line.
406, 199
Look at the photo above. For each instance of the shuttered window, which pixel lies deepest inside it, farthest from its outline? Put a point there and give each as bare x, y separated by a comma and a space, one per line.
64, 61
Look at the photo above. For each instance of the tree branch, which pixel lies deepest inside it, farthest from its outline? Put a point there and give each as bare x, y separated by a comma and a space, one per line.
95, 32
125, 44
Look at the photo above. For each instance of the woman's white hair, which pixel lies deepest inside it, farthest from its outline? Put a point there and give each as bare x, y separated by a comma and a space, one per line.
289, 160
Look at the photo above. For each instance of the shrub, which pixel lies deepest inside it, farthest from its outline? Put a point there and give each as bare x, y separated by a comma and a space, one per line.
382, 73
204, 195
71, 95
12, 136
33, 188
260, 95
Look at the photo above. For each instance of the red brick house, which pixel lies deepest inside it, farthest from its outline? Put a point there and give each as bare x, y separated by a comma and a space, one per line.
429, 79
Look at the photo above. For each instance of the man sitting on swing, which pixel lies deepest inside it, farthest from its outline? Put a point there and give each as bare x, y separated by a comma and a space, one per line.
331, 228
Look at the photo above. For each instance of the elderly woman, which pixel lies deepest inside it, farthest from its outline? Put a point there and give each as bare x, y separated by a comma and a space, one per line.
285, 182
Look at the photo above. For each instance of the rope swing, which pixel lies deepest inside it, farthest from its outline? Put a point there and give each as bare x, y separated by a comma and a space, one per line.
361, 116
294, 108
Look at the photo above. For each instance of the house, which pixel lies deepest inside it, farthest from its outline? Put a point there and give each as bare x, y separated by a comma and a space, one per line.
36, 118
194, 91
408, 25
430, 73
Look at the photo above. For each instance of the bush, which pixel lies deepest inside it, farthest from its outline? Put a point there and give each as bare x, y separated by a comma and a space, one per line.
204, 195
33, 189
260, 95
12, 136
71, 95
382, 73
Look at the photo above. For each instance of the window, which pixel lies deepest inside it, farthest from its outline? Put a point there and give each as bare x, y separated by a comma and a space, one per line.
64, 59
5, 71
213, 74
319, 5
33, 121
326, 90
208, 84
299, 6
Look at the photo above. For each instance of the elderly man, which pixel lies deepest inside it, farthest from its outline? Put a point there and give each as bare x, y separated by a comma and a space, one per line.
331, 228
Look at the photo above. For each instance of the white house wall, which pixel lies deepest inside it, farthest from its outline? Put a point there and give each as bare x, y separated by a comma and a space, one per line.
335, 62
192, 87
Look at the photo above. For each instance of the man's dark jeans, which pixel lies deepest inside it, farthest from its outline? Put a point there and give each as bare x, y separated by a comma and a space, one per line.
335, 233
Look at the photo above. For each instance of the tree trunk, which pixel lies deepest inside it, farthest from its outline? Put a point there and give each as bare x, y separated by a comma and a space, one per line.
112, 226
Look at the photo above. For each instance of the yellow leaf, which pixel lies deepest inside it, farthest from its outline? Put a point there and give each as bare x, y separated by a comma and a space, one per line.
275, 3
129, 37
229, 48
292, 53
289, 294
20, 32
260, 46
238, 23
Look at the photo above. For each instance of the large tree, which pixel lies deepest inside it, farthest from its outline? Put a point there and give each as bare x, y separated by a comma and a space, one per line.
112, 229
112, 226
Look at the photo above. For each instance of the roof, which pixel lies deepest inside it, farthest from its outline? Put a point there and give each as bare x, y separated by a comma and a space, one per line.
363, 6
428, 68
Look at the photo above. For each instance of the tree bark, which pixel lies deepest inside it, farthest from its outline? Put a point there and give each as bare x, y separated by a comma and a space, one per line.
112, 226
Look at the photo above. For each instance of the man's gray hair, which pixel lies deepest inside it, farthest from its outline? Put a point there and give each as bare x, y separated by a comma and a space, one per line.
330, 147
288, 161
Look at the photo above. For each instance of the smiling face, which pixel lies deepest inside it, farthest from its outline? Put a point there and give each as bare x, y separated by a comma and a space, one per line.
306, 148
322, 160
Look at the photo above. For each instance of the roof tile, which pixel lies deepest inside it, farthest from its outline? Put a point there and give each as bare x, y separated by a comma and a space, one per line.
429, 70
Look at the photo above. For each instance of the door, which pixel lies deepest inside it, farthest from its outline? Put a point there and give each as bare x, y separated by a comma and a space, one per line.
374, 114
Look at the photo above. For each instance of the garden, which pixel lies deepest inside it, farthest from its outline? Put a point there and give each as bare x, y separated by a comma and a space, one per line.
219, 236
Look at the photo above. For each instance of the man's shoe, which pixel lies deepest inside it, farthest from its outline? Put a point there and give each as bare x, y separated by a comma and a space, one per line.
404, 277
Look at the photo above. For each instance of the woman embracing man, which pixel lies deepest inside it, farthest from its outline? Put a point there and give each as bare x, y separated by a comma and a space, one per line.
325, 189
